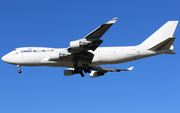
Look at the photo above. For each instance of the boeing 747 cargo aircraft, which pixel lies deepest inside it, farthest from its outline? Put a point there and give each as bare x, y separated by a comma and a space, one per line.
85, 55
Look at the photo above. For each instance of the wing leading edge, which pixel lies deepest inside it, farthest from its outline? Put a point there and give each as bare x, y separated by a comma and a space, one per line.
92, 40
98, 32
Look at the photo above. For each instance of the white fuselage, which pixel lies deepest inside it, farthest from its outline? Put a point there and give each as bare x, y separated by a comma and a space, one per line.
39, 56
84, 55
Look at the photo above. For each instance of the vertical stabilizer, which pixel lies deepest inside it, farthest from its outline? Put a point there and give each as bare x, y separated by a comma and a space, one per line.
162, 34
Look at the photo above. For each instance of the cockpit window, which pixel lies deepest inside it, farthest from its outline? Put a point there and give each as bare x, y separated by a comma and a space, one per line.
14, 50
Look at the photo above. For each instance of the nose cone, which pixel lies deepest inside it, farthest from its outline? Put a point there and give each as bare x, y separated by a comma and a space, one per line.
6, 58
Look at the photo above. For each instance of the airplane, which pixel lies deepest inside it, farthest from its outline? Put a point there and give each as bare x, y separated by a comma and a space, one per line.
85, 55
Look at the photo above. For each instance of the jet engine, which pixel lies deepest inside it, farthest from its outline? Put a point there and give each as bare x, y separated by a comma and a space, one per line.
78, 44
57, 56
94, 74
69, 72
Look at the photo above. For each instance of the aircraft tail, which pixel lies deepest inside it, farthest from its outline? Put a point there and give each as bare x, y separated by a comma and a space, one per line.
162, 39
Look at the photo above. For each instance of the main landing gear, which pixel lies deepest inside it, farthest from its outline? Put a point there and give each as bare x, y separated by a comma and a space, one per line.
82, 74
19, 69
80, 70
86, 68
77, 69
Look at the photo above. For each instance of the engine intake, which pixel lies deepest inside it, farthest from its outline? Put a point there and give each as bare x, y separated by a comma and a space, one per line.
78, 44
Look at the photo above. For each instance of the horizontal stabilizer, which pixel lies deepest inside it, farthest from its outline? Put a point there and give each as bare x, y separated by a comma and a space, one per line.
166, 44
171, 52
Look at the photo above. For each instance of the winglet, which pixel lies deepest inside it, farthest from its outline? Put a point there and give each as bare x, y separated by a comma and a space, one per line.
129, 69
112, 21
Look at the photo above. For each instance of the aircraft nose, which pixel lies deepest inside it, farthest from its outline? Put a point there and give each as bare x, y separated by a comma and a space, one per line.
5, 58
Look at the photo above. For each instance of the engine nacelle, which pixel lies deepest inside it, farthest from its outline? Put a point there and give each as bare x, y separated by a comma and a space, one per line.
78, 44
57, 56
94, 74
69, 72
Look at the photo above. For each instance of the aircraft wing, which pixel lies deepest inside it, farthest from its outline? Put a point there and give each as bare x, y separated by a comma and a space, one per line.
105, 69
98, 32
99, 71
92, 40
79, 49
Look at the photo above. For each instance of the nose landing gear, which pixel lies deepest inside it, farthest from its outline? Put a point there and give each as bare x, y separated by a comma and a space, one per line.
19, 69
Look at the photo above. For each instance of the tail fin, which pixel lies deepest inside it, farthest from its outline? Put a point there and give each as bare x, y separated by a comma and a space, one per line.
162, 38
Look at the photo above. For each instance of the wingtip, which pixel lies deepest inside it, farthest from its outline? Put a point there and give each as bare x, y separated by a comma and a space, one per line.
112, 21
129, 69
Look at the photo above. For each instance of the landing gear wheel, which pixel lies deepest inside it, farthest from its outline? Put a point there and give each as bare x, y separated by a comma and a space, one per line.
89, 71
82, 75
19, 71
86, 68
